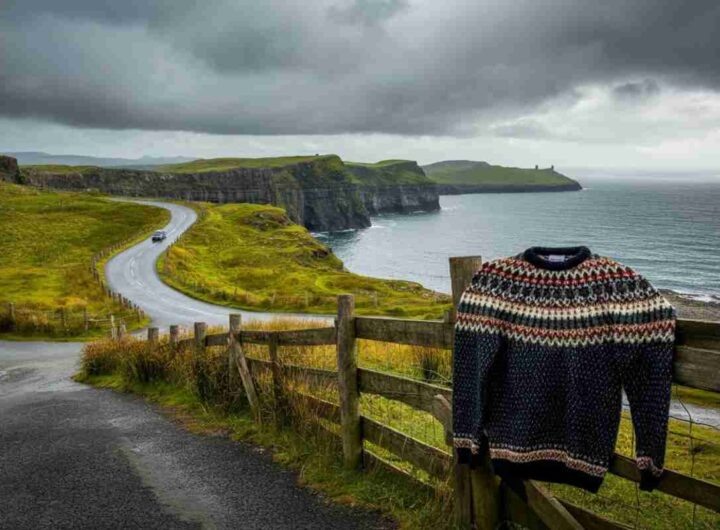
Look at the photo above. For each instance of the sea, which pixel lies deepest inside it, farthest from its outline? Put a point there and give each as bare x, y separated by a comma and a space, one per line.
666, 229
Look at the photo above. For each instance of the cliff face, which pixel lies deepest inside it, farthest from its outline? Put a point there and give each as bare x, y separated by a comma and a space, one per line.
396, 186
317, 194
461, 189
9, 171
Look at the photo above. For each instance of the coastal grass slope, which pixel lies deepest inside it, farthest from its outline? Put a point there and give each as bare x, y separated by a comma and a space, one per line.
472, 174
388, 173
48, 240
224, 164
253, 257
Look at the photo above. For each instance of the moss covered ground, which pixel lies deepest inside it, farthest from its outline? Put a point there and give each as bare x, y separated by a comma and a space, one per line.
253, 257
47, 241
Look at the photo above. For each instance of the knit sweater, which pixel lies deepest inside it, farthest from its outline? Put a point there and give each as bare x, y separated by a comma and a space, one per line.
545, 341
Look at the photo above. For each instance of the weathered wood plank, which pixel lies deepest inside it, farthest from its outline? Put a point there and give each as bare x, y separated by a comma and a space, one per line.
703, 334
590, 520
347, 371
371, 460
307, 337
186, 343
431, 333
431, 459
254, 336
237, 360
676, 484
280, 408
410, 391
548, 508
697, 368
318, 376
217, 339
324, 409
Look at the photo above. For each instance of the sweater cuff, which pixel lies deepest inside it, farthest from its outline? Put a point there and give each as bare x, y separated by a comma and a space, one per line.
650, 475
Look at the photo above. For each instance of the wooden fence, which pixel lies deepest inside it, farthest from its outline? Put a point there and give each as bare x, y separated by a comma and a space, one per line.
480, 500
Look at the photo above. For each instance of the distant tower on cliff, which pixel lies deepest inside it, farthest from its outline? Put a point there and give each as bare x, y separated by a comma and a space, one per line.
536, 166
552, 168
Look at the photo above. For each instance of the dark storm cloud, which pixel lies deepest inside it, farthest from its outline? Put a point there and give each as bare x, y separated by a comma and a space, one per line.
329, 66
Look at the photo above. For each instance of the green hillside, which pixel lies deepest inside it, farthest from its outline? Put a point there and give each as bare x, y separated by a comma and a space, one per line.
387, 173
224, 164
471, 173
253, 257
48, 240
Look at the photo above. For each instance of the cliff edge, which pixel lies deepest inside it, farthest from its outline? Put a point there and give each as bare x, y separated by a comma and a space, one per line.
455, 177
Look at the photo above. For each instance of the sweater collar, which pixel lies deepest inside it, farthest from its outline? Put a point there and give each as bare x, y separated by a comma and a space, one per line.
573, 256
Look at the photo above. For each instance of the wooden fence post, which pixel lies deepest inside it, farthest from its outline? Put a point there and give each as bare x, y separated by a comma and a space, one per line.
113, 333
63, 319
122, 330
237, 360
277, 380
11, 313
348, 382
477, 487
174, 336
153, 334
86, 319
200, 335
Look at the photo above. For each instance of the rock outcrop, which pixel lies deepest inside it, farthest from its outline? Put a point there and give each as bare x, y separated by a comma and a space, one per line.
461, 189
395, 186
9, 171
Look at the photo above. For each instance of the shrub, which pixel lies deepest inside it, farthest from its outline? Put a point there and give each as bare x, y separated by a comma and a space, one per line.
101, 357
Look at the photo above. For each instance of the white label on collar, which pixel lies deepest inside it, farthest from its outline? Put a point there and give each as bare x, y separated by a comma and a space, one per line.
556, 257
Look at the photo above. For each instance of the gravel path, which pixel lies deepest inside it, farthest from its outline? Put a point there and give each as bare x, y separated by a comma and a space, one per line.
73, 456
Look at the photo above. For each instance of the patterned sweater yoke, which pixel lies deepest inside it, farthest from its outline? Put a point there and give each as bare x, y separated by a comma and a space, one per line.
545, 343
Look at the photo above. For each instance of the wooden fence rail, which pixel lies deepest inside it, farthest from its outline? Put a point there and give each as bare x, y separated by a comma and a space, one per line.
478, 496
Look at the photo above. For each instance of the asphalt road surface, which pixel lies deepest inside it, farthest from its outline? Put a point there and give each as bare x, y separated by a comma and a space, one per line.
72, 456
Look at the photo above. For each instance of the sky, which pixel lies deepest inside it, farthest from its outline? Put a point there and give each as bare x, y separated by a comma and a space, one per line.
595, 84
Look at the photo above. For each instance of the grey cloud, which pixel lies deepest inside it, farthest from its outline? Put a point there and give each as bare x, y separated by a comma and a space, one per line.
638, 90
367, 12
327, 67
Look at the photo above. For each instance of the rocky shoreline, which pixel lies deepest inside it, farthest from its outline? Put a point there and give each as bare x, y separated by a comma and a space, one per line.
688, 307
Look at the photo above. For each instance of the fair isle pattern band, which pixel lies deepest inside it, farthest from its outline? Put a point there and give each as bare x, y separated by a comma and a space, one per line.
556, 455
647, 463
466, 443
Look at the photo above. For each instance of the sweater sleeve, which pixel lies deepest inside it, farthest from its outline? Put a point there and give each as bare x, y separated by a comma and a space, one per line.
475, 345
647, 378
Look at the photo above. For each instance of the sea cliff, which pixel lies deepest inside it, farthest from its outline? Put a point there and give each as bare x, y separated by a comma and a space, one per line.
321, 193
395, 186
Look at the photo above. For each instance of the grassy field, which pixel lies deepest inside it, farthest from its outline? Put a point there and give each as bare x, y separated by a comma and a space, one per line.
47, 240
197, 387
224, 164
470, 173
387, 173
252, 257
56, 168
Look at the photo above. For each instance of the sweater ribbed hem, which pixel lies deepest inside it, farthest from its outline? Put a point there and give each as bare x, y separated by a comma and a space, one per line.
546, 471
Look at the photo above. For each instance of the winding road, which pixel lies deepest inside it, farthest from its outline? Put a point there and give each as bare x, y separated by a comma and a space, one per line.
73, 456
133, 274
